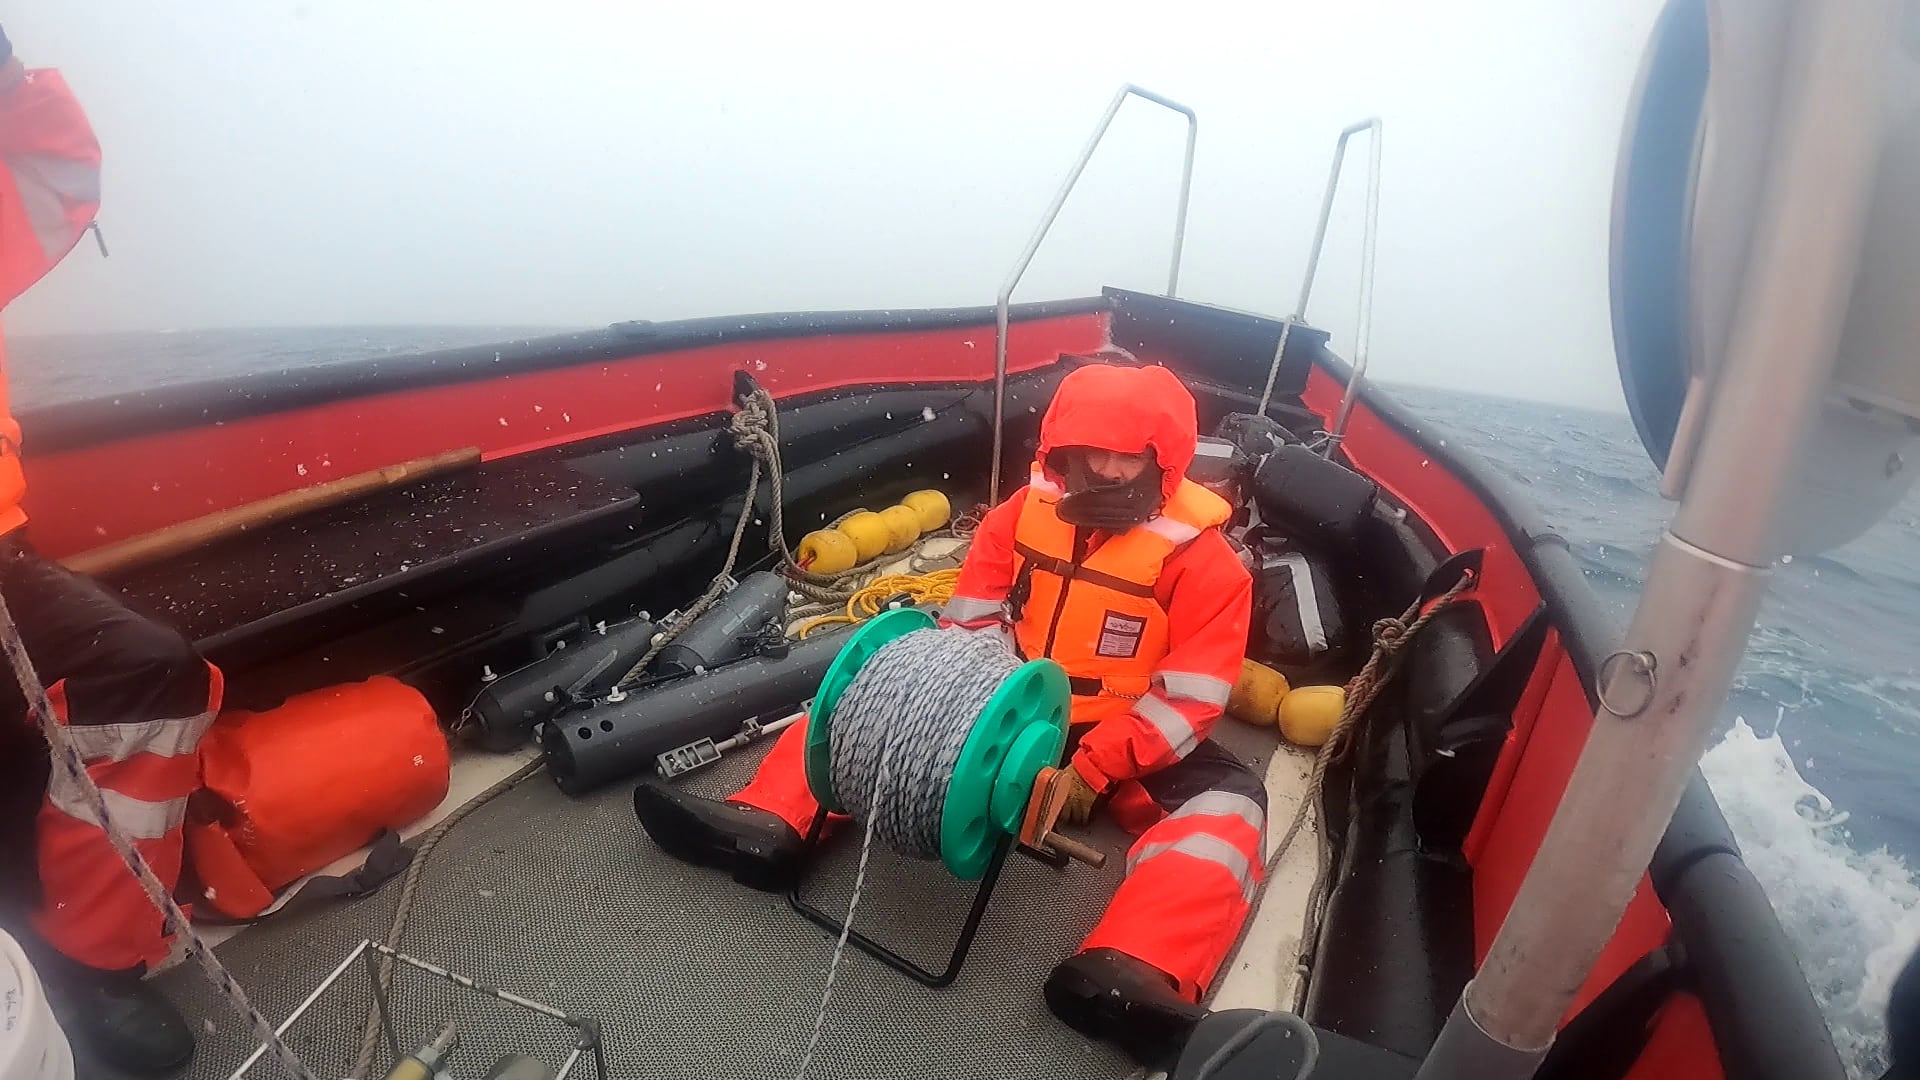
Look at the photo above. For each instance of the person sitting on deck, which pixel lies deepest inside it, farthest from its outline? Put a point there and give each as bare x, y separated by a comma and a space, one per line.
1111, 562
134, 695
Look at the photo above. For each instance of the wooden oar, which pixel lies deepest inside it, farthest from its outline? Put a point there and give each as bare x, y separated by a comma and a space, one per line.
187, 535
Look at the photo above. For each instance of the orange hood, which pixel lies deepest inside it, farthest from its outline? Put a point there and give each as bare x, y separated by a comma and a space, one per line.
1127, 410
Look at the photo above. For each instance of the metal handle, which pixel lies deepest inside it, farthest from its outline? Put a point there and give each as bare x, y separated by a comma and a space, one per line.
1364, 323
1074, 849
1040, 234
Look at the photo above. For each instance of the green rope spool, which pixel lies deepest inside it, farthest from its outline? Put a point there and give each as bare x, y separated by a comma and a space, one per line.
1021, 729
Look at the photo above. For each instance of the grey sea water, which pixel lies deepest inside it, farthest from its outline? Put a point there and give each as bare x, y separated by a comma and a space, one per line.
1819, 748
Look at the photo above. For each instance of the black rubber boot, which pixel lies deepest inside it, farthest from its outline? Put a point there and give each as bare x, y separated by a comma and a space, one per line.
759, 849
117, 1017
1106, 994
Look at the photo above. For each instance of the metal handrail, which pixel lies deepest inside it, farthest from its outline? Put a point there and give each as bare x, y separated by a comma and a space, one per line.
1364, 328
1040, 234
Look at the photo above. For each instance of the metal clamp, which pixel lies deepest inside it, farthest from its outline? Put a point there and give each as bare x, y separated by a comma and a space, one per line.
1643, 664
1046, 223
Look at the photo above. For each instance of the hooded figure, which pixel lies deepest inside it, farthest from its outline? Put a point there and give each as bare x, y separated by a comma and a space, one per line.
1110, 562
133, 695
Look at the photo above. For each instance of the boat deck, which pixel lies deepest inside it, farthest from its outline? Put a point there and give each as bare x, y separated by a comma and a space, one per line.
694, 976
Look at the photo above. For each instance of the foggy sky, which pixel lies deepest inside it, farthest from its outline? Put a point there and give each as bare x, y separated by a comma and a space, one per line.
572, 163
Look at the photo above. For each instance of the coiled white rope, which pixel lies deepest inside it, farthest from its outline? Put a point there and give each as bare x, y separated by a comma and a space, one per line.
897, 733
922, 691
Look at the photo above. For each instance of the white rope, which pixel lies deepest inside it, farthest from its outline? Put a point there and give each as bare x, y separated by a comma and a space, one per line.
898, 729
923, 691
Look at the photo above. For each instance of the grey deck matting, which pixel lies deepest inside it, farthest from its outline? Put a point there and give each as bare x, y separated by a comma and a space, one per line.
692, 975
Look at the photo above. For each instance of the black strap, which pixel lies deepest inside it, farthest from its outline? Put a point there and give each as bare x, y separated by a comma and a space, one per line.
1040, 560
1084, 687
386, 859
1017, 596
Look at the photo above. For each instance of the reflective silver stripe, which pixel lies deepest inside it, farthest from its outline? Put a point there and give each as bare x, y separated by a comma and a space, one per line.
138, 818
970, 608
74, 181
48, 186
1003, 632
1038, 481
1225, 804
118, 742
1195, 687
1205, 448
1210, 848
1310, 625
1170, 722
1178, 532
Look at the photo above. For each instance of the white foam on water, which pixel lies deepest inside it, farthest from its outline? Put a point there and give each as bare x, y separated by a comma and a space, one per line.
1853, 917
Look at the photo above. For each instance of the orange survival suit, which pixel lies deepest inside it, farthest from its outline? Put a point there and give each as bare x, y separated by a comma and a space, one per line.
1150, 625
134, 694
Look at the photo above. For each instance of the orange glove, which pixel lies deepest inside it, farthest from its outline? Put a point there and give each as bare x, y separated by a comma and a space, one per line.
1078, 807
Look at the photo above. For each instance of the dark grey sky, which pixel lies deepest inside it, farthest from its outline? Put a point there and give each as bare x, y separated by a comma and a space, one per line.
405, 161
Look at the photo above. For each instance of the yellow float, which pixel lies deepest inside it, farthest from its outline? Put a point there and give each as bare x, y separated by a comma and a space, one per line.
1256, 697
869, 532
903, 527
827, 551
932, 507
1309, 714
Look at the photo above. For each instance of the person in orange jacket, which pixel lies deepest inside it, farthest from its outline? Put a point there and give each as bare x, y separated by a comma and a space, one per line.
132, 693
1111, 562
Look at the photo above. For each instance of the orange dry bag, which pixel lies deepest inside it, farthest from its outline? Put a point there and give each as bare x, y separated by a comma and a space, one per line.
289, 790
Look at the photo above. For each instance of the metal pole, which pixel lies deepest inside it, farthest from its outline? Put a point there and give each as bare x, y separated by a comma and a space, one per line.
1363, 329
1661, 692
299, 1011
1186, 191
1001, 304
1299, 315
384, 1006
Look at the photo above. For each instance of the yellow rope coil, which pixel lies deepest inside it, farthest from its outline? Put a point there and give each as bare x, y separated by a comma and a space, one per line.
933, 588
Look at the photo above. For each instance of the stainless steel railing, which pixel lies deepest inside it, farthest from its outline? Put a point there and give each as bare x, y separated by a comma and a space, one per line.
1364, 323
1040, 234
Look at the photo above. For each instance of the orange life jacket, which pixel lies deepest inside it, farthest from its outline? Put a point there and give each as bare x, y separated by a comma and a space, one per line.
1097, 616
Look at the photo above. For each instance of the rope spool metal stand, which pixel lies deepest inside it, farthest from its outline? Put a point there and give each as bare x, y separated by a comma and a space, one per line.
1002, 796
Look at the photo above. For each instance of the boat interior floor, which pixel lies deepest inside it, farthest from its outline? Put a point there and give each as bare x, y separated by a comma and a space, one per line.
692, 975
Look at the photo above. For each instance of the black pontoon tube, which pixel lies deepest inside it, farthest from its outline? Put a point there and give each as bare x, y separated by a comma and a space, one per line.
619, 739
733, 628
505, 710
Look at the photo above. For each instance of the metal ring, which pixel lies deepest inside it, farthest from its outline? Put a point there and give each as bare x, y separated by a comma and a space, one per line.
1645, 665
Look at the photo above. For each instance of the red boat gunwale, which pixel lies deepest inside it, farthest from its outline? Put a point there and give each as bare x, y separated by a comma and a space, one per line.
1734, 1005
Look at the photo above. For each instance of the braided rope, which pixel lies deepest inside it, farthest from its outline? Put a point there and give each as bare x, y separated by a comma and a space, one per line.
897, 734
67, 759
924, 690
371, 1027
1390, 639
755, 429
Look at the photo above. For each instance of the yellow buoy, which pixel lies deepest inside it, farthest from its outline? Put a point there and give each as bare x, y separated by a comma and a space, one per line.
932, 506
827, 551
869, 532
903, 523
1309, 714
1256, 697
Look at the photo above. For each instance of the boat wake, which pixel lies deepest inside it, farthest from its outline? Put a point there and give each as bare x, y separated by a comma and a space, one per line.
1853, 917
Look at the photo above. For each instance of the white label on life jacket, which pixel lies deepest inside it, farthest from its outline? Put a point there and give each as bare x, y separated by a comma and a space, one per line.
1120, 635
